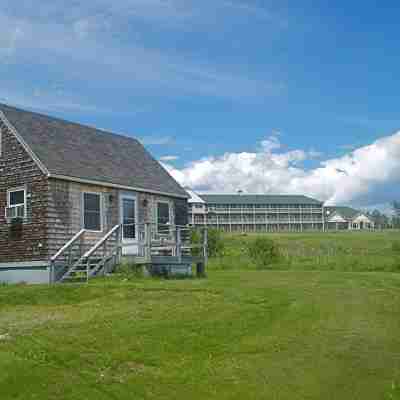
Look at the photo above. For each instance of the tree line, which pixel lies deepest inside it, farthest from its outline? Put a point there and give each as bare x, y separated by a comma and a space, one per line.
384, 221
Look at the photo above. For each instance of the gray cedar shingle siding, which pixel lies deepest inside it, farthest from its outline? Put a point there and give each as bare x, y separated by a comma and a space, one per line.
17, 169
78, 151
64, 216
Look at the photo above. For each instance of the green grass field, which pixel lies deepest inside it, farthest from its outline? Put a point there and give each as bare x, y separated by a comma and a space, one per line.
346, 251
243, 333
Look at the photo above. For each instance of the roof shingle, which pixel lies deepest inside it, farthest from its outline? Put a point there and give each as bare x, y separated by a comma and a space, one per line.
347, 213
258, 199
83, 152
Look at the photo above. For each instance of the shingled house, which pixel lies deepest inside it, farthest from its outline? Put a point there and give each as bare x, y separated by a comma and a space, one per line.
58, 178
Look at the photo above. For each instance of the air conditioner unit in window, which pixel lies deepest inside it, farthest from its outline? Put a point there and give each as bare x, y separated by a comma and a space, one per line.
15, 212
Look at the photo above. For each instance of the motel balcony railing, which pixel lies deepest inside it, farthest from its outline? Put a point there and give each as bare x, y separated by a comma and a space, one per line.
265, 210
277, 221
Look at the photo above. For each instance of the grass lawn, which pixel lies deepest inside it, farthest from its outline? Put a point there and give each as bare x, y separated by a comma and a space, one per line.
240, 334
333, 251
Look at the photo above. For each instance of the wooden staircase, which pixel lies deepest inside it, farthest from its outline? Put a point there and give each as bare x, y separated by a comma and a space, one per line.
69, 265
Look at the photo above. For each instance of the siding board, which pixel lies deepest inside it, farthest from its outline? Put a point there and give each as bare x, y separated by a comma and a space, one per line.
18, 169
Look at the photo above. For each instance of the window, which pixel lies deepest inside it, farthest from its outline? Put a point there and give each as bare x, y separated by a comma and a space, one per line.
92, 212
16, 203
163, 217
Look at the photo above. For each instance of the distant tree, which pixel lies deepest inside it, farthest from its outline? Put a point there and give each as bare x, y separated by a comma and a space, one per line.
376, 216
396, 216
396, 208
381, 220
385, 221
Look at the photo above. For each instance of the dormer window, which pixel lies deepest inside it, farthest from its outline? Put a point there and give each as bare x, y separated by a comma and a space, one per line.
16, 203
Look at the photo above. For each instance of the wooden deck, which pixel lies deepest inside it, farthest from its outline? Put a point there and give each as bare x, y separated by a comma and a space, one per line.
162, 253
140, 260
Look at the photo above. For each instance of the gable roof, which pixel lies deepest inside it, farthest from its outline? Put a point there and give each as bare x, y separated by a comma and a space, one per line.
68, 149
258, 199
194, 197
347, 213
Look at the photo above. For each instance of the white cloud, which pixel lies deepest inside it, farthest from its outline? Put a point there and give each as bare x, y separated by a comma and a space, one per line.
270, 144
98, 44
169, 158
11, 34
56, 99
367, 175
156, 140
168, 12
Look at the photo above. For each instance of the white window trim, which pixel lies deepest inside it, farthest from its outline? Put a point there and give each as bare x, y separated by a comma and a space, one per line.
25, 203
169, 211
100, 194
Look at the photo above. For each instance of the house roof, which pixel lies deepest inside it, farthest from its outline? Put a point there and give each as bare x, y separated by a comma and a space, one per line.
258, 199
347, 213
77, 151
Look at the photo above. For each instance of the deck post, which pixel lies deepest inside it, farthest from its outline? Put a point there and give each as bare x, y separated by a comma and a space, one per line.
147, 251
179, 244
52, 272
87, 269
81, 244
119, 244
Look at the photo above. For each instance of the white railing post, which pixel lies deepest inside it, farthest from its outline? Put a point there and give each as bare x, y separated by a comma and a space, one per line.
87, 269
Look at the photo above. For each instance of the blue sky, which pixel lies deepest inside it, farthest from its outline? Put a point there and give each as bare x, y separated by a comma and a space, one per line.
207, 84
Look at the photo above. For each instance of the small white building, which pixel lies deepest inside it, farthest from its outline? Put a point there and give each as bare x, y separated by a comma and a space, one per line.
347, 218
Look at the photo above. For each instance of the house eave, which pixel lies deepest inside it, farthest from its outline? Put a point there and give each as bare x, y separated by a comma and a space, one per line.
114, 185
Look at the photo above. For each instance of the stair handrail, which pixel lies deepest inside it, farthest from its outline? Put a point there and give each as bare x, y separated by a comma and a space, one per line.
101, 242
67, 245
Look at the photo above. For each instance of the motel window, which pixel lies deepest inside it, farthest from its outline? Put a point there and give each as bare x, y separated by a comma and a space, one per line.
92, 212
163, 217
16, 203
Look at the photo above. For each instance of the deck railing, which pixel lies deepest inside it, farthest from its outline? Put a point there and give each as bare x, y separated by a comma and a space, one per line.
167, 240
72, 249
152, 240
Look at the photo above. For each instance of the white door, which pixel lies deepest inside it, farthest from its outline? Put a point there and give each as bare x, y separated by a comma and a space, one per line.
128, 215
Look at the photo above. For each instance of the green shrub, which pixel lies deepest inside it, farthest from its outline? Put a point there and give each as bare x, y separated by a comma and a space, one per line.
215, 242
196, 239
263, 252
396, 246
130, 270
